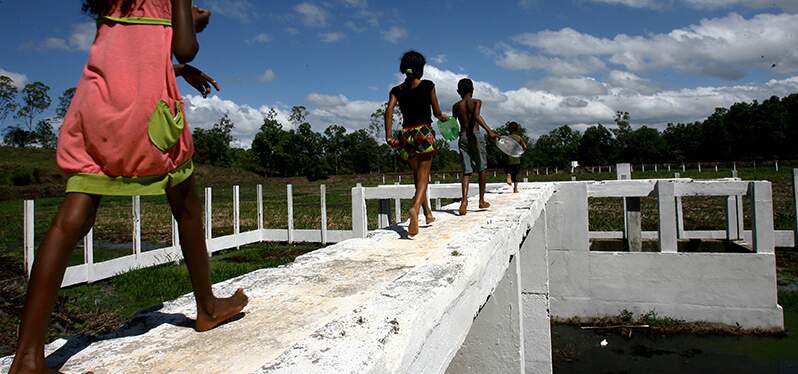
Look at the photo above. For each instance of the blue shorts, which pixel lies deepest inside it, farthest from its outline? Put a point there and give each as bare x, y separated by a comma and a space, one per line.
473, 155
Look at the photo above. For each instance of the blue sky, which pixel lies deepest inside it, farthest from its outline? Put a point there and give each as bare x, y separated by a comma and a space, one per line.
542, 63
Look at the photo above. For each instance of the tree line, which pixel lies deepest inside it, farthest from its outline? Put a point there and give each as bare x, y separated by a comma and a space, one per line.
744, 131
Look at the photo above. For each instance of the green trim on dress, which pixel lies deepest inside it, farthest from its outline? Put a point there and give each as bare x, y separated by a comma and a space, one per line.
96, 184
136, 20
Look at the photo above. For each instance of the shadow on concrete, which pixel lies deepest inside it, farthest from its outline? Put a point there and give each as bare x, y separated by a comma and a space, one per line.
141, 323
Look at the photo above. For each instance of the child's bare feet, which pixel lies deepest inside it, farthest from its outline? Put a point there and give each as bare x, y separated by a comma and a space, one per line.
412, 228
429, 218
463, 208
484, 205
224, 309
509, 180
23, 366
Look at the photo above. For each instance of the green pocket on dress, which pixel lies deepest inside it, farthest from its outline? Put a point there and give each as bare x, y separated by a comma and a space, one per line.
164, 128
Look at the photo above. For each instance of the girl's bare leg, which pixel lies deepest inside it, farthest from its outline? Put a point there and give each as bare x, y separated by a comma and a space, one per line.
421, 165
73, 221
428, 217
483, 180
211, 311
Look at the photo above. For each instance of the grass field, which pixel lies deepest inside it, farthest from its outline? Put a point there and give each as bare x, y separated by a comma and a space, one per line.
100, 307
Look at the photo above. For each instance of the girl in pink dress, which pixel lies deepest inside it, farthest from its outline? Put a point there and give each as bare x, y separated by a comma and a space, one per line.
125, 133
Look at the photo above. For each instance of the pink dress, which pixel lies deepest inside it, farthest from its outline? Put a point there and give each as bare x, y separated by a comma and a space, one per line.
125, 131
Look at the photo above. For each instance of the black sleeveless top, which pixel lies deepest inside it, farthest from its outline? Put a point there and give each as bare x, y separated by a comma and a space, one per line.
415, 103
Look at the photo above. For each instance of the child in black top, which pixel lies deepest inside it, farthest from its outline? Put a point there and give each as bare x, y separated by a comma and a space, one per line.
418, 102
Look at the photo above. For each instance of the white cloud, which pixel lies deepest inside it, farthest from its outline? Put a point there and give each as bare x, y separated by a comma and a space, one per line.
394, 34
632, 3
19, 79
727, 47
514, 59
241, 10
338, 109
80, 39
261, 38
267, 76
540, 107
311, 14
204, 112
331, 37
439, 59
568, 86
787, 5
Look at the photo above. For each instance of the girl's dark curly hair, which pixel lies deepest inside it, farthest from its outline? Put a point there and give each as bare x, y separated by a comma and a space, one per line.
99, 8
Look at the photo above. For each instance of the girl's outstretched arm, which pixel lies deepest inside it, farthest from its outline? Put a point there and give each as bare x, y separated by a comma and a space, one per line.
436, 108
184, 39
388, 116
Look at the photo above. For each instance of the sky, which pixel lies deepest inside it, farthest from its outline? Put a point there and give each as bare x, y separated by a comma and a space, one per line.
541, 63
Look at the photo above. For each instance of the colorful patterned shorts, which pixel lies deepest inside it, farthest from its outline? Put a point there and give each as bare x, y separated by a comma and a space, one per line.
416, 140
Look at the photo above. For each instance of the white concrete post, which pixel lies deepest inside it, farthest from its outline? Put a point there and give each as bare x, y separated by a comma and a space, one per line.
289, 190
762, 217
547, 171
397, 205
323, 193
795, 203
667, 217
28, 229
259, 197
88, 255
732, 226
556, 170
438, 200
526, 180
535, 299
644, 167
359, 222
669, 168
679, 213
573, 178
400, 179
716, 168
383, 179
175, 233
494, 173
734, 165
777, 165
494, 343
684, 168
136, 203
632, 216
699, 167
236, 213
208, 214
537, 171
656, 168
734, 173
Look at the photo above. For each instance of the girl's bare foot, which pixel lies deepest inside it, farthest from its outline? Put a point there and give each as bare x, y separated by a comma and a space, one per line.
484, 205
463, 208
509, 180
412, 228
223, 310
429, 218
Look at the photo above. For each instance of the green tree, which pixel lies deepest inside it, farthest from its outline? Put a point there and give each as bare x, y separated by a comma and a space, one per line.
8, 97
596, 146
18, 137
35, 100
270, 146
212, 146
377, 122
64, 101
44, 134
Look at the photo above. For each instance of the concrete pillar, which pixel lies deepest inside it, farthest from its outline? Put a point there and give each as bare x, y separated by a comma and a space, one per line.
632, 217
535, 299
289, 192
699, 167
494, 343
732, 226
762, 217
667, 217
359, 222
28, 228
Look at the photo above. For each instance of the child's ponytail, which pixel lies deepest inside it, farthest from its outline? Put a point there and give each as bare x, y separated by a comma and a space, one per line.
412, 64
